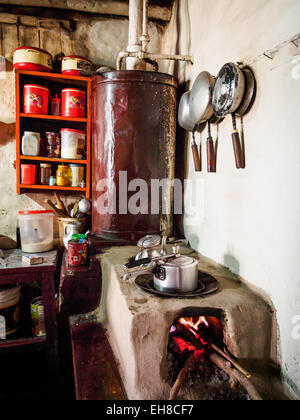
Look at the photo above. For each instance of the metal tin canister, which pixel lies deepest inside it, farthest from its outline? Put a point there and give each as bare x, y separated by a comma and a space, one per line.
32, 59
38, 317
75, 64
77, 253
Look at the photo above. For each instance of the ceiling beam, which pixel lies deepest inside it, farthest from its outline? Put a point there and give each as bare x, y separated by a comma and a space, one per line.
158, 10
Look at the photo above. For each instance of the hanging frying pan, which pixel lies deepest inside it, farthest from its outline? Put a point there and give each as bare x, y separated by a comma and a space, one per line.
250, 93
186, 122
201, 109
201, 98
227, 97
184, 117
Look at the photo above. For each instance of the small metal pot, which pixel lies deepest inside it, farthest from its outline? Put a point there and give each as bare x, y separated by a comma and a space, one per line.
172, 273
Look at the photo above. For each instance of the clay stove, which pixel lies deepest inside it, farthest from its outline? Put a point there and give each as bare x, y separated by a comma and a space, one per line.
141, 329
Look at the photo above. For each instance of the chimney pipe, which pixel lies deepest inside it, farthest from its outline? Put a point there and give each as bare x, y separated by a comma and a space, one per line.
134, 34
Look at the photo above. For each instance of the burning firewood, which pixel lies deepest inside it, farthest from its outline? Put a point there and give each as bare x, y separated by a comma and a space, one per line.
181, 377
201, 332
232, 361
235, 376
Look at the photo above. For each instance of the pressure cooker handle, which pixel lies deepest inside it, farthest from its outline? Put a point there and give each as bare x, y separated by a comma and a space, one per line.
138, 263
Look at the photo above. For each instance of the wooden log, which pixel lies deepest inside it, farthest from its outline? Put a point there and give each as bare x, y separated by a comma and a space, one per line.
236, 376
225, 355
231, 360
181, 377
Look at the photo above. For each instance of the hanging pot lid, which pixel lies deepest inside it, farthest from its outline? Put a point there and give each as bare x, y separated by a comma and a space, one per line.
229, 90
201, 98
149, 241
184, 117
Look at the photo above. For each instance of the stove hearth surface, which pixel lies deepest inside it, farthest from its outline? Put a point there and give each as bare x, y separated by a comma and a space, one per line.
138, 326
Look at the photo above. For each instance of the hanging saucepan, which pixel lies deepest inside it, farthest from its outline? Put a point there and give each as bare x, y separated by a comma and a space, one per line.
201, 110
228, 94
186, 122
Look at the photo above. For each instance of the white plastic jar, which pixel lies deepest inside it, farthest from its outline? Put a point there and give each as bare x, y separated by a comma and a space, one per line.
36, 230
72, 143
31, 143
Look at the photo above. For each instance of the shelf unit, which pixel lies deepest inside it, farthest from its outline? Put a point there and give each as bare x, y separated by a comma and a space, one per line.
42, 123
18, 273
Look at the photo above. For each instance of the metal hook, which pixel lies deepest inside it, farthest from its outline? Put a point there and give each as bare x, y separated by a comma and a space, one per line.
268, 56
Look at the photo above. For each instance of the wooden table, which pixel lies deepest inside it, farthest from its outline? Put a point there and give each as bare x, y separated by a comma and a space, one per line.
17, 272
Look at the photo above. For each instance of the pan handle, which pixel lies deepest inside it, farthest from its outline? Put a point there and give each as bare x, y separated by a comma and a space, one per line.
210, 152
211, 159
238, 152
196, 155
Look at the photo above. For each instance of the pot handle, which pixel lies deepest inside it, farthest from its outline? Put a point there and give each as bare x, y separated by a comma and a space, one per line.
238, 152
138, 263
210, 151
196, 155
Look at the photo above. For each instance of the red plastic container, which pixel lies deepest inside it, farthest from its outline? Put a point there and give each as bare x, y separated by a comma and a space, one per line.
73, 103
32, 58
35, 99
28, 174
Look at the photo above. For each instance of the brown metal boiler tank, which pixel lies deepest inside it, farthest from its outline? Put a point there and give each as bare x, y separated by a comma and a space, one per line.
134, 129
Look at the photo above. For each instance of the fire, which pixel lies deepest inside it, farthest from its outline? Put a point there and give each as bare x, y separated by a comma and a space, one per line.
199, 344
189, 323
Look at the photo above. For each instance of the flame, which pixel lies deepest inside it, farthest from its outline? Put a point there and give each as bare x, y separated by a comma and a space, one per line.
191, 326
188, 322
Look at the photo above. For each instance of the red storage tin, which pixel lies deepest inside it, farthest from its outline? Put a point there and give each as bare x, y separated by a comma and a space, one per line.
73, 103
77, 253
32, 58
28, 174
75, 65
35, 99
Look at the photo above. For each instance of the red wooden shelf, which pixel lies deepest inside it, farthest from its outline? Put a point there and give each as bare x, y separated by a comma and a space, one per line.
64, 78
45, 123
47, 159
53, 117
48, 187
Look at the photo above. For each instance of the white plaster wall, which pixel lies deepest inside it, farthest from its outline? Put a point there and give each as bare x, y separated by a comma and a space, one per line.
249, 219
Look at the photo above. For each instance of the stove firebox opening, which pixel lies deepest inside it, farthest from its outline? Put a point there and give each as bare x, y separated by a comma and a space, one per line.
199, 366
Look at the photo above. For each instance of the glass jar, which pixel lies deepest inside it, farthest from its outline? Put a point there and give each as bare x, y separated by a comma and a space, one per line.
31, 143
77, 174
53, 144
63, 176
52, 181
45, 173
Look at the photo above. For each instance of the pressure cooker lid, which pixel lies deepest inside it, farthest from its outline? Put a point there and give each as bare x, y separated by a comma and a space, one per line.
182, 261
149, 241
